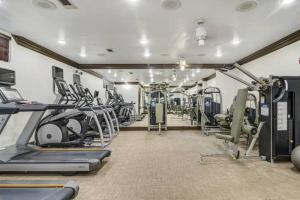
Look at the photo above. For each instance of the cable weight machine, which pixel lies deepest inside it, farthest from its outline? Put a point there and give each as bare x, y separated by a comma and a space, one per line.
157, 110
279, 103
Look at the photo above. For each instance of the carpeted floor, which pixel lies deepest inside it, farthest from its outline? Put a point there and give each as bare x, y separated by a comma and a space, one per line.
146, 166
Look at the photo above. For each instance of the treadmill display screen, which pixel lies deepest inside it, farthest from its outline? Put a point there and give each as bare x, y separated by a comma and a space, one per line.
11, 95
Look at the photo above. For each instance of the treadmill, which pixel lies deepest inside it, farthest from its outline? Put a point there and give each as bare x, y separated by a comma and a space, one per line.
35, 190
26, 157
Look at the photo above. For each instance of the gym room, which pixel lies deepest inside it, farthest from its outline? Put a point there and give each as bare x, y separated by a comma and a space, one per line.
149, 99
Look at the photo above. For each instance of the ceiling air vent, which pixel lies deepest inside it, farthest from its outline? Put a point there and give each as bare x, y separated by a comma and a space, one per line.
44, 4
170, 4
247, 5
67, 4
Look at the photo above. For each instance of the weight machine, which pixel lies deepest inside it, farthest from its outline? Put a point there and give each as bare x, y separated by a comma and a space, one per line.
210, 105
279, 103
157, 111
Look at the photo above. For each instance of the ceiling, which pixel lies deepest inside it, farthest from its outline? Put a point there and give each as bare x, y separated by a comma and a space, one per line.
120, 24
186, 77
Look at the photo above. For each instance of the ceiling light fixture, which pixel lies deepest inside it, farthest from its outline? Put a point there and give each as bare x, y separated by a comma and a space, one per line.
62, 42
144, 41
147, 53
115, 75
286, 2
219, 53
182, 67
150, 70
151, 80
109, 71
83, 53
193, 74
182, 64
201, 33
198, 71
236, 41
151, 75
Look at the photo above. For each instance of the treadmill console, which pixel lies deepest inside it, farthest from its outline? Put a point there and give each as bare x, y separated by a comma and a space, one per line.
8, 95
3, 119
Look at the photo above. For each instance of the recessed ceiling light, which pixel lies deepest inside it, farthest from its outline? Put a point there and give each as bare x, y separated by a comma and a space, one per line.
83, 53
115, 75
286, 2
198, 71
219, 53
44, 4
147, 53
247, 5
151, 80
1, 2
182, 67
144, 41
193, 74
151, 75
62, 42
150, 70
236, 41
170, 4
109, 71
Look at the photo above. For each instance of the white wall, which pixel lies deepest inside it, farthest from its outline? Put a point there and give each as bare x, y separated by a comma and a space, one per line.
210, 83
34, 81
130, 93
283, 62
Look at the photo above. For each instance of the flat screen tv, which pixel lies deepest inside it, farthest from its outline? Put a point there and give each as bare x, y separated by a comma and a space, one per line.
7, 77
57, 72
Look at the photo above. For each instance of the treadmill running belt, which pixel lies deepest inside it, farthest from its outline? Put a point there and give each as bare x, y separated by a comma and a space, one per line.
36, 193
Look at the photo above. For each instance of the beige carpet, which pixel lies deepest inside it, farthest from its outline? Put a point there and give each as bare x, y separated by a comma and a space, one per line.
146, 166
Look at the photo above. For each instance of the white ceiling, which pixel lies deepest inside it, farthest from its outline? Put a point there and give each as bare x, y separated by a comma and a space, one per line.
159, 75
119, 24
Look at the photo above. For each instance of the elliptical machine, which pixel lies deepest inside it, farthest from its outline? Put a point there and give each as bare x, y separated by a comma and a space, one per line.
77, 127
